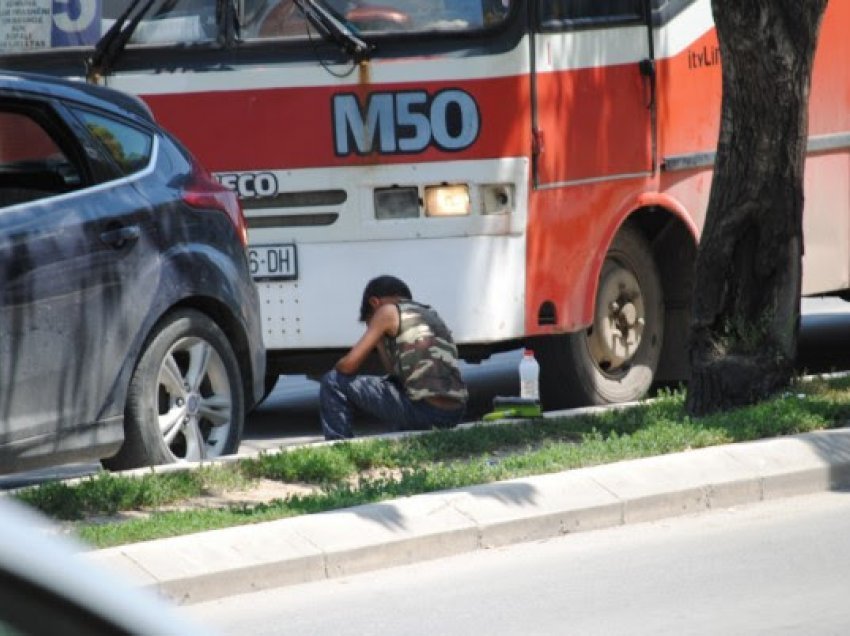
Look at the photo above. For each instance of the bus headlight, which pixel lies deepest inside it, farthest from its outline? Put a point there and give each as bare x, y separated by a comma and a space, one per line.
397, 203
447, 200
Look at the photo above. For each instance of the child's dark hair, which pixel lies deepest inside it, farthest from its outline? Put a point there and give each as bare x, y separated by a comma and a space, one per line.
380, 287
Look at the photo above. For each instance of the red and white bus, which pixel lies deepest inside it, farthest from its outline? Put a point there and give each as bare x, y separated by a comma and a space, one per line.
538, 170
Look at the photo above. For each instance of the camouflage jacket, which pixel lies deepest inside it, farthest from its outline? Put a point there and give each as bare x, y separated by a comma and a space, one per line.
423, 354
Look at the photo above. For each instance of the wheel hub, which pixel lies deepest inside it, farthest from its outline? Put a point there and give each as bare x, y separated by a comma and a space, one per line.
619, 321
196, 408
193, 404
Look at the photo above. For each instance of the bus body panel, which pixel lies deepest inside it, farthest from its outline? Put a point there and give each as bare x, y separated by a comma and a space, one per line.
471, 267
571, 227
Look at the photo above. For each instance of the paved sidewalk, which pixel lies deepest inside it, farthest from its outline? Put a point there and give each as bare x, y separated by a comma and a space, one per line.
210, 565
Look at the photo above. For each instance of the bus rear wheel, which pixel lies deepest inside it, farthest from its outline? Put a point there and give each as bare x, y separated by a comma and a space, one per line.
615, 359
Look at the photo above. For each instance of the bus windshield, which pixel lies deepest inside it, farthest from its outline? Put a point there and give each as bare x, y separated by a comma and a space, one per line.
281, 18
39, 25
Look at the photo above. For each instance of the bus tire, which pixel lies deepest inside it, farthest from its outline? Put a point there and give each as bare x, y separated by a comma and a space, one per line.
185, 402
615, 359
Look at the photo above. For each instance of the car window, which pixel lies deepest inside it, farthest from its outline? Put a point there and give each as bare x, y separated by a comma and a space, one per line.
129, 147
32, 165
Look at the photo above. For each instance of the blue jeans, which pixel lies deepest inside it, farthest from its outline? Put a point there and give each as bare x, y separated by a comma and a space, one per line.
380, 397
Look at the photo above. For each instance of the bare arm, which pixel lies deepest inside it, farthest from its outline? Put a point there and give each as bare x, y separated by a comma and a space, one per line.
385, 321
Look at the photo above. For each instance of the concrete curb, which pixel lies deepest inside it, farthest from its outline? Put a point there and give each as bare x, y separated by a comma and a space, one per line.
210, 565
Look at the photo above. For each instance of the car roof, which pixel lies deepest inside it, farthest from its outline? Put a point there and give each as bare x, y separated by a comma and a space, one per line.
78, 91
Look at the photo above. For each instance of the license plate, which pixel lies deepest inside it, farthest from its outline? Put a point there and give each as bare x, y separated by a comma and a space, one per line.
273, 262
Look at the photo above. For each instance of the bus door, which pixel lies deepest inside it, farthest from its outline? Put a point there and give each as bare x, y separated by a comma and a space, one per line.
593, 91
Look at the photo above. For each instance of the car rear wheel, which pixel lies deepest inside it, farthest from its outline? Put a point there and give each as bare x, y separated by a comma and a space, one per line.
185, 401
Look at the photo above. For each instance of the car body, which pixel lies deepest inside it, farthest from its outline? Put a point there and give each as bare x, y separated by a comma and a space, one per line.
129, 323
49, 587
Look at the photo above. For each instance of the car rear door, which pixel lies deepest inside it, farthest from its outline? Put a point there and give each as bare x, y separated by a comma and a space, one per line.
69, 244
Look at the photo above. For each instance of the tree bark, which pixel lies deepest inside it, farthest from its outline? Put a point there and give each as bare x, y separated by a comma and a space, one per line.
746, 307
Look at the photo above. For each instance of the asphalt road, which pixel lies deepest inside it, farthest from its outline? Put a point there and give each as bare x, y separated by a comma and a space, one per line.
778, 567
289, 414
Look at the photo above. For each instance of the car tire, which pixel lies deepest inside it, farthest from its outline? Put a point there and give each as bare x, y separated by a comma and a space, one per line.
185, 401
615, 359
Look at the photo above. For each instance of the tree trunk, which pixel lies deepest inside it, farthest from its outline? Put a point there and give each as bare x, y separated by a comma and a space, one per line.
746, 308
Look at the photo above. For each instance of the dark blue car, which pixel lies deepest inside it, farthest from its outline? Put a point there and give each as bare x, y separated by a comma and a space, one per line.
129, 323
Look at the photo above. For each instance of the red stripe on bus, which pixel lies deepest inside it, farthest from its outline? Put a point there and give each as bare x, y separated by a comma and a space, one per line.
292, 128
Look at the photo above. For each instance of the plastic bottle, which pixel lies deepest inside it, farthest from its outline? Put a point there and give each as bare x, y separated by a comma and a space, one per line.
529, 376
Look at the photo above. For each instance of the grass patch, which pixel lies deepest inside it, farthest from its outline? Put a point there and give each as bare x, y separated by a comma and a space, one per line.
107, 494
373, 470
